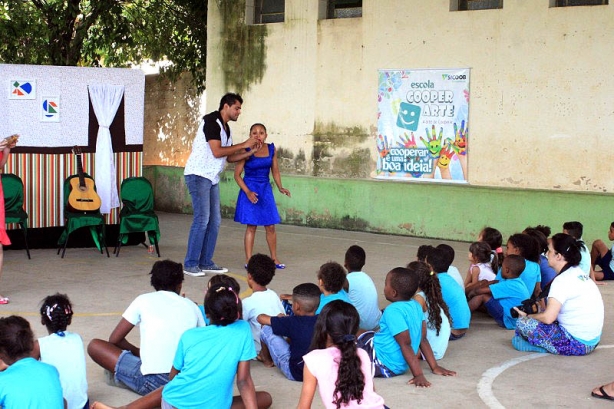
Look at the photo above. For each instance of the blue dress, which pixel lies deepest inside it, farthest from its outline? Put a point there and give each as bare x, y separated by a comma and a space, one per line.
256, 177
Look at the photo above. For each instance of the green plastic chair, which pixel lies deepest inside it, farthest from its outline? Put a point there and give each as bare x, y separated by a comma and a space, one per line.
12, 186
137, 214
75, 220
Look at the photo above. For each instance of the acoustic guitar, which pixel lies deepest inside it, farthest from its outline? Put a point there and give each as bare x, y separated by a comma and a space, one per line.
82, 196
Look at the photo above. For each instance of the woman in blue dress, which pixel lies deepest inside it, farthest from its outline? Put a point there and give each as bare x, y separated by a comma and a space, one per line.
256, 203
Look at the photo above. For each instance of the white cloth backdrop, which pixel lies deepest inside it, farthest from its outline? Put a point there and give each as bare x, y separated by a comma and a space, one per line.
105, 100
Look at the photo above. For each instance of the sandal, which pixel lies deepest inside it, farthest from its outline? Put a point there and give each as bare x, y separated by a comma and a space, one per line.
604, 394
280, 266
3, 300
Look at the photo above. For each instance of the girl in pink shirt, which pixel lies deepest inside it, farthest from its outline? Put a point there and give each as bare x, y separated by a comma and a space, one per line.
340, 370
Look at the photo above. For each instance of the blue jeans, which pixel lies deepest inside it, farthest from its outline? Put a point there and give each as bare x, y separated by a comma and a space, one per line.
279, 350
206, 223
128, 372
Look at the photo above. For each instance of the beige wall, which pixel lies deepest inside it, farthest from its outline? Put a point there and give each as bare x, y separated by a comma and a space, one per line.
541, 89
172, 113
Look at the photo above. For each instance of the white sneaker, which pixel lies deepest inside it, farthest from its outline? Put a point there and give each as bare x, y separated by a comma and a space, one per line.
214, 269
193, 271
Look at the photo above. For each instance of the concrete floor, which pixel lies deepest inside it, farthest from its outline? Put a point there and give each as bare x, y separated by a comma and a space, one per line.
490, 372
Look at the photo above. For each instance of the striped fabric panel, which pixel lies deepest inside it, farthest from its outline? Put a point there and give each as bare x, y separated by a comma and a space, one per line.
43, 176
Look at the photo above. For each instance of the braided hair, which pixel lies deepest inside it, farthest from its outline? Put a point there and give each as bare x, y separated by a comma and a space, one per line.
339, 321
56, 313
222, 305
429, 284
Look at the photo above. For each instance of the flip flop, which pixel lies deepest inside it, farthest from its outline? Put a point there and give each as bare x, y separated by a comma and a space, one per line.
4, 300
280, 266
604, 394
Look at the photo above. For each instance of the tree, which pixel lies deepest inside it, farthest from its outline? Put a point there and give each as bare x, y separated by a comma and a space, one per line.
109, 33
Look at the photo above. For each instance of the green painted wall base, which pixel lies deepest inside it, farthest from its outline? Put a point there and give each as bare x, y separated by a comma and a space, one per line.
433, 210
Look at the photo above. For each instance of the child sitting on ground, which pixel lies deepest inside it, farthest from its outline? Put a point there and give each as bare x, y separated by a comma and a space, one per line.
63, 349
453, 294
483, 262
24, 381
162, 315
601, 256
361, 289
449, 254
207, 361
341, 371
402, 332
260, 272
331, 278
500, 297
436, 313
448, 251
494, 239
224, 280
527, 247
288, 356
575, 230
540, 234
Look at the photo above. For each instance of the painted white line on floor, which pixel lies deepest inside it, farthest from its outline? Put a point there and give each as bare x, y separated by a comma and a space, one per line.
488, 377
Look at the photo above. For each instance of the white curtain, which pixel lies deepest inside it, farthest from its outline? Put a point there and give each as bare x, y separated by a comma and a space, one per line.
105, 100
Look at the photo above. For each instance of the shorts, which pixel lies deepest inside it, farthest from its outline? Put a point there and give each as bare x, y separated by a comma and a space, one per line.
604, 263
165, 405
494, 308
378, 369
128, 372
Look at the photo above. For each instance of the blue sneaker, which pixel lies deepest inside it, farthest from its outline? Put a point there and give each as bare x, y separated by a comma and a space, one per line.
213, 269
193, 271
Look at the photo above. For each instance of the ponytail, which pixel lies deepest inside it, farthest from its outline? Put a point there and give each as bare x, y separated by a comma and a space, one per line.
339, 320
429, 284
350, 379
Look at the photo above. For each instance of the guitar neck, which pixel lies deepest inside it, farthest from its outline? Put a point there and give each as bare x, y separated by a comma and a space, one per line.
80, 171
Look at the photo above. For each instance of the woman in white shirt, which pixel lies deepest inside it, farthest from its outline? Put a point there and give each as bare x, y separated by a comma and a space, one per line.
572, 322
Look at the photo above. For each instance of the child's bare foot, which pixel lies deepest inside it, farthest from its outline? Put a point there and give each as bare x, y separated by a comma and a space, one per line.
98, 405
266, 362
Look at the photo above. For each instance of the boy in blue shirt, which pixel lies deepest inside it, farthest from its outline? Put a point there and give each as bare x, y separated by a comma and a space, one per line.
361, 289
453, 294
402, 332
288, 356
331, 278
500, 297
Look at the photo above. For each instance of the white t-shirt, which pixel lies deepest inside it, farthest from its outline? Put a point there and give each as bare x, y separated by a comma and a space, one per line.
363, 295
260, 302
582, 306
68, 356
163, 316
456, 275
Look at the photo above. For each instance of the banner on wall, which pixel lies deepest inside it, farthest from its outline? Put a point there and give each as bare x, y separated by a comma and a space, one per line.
423, 125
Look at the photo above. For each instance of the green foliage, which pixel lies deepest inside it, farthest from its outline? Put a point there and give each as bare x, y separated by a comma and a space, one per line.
108, 33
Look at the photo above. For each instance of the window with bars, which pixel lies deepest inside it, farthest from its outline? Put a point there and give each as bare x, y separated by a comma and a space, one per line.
569, 3
269, 11
479, 4
344, 8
